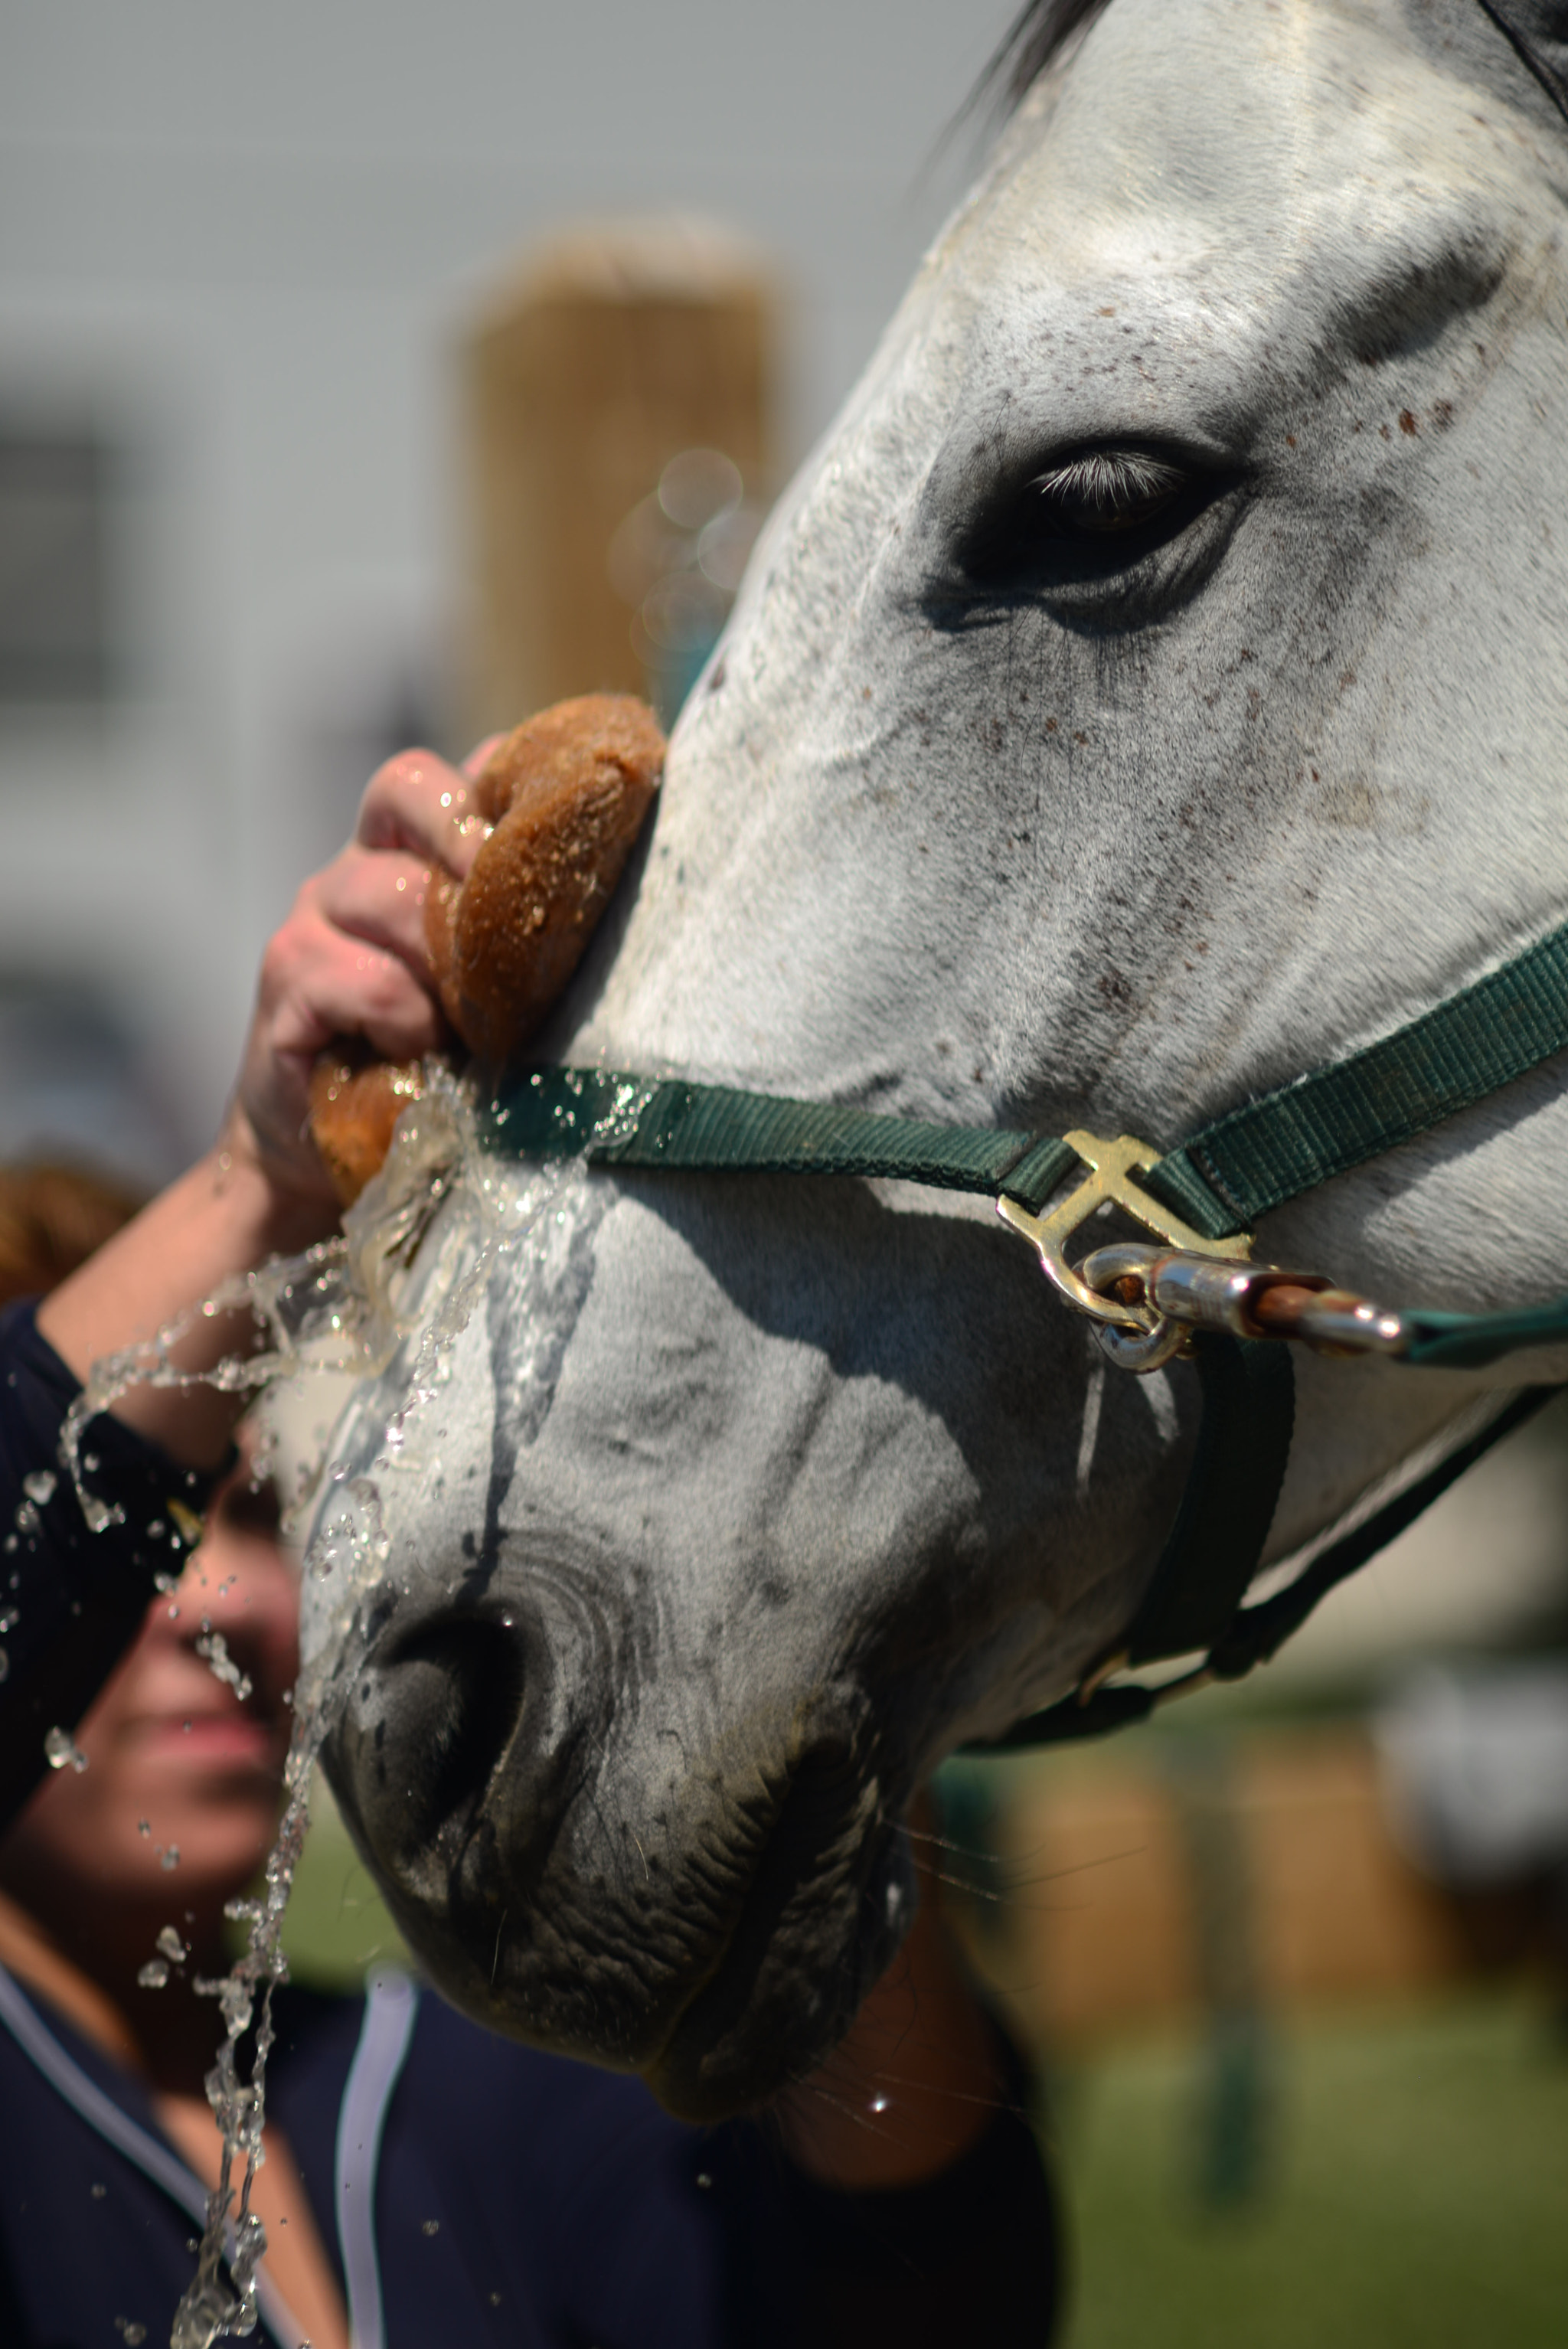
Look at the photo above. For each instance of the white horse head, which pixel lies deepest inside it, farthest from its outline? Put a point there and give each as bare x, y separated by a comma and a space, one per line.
1153, 688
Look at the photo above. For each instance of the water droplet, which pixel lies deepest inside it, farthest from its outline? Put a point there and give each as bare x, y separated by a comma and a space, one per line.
704, 2180
880, 2103
60, 1748
169, 1857
97, 2192
40, 1487
432, 2226
170, 1944
153, 1975
212, 1647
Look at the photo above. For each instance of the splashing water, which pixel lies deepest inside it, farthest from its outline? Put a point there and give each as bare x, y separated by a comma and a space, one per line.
60, 1747
386, 1303
213, 1648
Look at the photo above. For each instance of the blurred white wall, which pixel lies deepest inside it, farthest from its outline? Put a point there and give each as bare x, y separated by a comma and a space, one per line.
238, 244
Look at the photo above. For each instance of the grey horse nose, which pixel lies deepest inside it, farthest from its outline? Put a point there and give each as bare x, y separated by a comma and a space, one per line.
425, 1727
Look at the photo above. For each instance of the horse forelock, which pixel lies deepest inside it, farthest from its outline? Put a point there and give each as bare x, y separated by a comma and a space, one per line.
1535, 30
1033, 41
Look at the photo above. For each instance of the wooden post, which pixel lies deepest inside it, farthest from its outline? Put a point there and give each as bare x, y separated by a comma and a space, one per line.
615, 349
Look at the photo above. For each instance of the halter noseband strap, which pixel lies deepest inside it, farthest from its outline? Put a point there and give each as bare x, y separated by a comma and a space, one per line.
1217, 1184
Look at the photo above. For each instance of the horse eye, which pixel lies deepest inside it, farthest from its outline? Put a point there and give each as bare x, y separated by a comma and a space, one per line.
1108, 489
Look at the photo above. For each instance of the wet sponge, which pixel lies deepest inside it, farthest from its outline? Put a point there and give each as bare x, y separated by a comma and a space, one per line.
566, 795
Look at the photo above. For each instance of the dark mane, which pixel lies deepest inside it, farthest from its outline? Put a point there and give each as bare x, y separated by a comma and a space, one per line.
1535, 30
1027, 47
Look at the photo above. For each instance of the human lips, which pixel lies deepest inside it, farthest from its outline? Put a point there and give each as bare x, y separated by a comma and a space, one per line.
211, 1739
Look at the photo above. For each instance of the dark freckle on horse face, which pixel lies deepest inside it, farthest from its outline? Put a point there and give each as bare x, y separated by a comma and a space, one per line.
865, 693
1290, 439
1050, 725
1443, 414
1407, 424
716, 681
1384, 433
1346, 680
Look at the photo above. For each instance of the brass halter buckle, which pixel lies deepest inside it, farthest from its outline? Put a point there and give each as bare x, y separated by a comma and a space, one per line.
1134, 1334
1146, 1301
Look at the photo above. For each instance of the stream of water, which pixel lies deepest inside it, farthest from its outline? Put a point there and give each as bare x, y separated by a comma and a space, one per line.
387, 1304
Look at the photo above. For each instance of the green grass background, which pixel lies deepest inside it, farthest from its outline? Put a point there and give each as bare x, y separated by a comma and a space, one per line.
1414, 2190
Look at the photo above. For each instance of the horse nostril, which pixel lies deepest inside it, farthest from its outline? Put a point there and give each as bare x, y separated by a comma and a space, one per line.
450, 1695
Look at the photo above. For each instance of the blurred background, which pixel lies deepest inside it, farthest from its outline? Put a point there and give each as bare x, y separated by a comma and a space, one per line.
372, 374
245, 257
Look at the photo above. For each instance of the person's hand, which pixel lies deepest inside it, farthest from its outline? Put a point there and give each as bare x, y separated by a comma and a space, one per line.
918, 2076
351, 960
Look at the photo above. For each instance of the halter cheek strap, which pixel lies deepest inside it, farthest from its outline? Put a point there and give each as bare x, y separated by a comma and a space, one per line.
1196, 1291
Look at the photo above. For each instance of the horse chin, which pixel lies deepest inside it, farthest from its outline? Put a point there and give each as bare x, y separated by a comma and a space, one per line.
785, 1988
768, 2008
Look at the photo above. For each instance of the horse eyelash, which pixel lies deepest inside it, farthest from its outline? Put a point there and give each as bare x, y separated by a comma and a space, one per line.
1110, 479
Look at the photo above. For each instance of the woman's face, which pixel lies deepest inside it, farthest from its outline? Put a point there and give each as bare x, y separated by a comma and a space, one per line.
178, 1802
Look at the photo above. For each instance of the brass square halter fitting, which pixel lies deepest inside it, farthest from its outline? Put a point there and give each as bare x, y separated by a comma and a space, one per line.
1146, 1302
1136, 1336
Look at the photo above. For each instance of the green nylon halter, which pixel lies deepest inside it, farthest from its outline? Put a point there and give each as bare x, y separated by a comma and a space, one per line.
1220, 1182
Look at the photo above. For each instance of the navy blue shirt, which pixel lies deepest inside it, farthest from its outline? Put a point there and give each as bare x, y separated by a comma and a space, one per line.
521, 2200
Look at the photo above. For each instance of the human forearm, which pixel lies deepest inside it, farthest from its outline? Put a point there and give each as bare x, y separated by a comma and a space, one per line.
224, 1217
